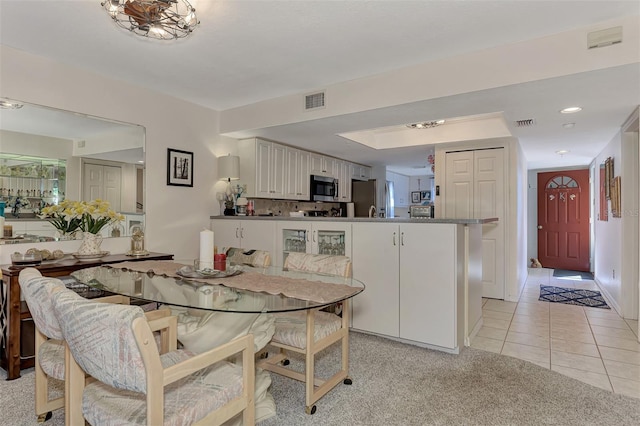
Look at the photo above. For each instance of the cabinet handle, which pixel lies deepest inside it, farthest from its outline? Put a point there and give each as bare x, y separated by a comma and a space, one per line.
394, 238
402, 238
314, 236
237, 236
307, 233
241, 232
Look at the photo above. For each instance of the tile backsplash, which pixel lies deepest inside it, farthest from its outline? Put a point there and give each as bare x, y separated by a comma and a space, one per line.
284, 207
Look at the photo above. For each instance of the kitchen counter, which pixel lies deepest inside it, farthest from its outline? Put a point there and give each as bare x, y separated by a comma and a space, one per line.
361, 219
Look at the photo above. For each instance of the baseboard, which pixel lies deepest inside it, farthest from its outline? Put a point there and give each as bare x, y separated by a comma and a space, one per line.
454, 351
468, 340
608, 298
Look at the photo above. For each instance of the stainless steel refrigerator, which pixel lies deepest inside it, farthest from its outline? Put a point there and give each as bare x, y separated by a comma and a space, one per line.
364, 195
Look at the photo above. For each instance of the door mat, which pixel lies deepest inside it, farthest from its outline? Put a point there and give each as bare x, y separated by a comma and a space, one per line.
563, 273
572, 296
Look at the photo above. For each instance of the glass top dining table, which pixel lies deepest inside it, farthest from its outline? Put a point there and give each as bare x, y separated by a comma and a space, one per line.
285, 290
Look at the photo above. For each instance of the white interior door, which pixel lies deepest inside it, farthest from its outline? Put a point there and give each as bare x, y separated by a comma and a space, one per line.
474, 188
112, 191
489, 202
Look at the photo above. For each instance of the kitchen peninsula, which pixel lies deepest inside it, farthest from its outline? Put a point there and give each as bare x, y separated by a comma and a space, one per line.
423, 276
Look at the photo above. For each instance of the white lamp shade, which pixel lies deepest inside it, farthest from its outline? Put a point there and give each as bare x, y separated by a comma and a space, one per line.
229, 167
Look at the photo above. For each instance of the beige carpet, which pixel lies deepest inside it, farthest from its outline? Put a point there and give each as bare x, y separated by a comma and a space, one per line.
398, 384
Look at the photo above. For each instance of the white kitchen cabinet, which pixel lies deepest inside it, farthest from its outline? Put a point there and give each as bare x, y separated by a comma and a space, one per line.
262, 168
342, 171
317, 237
414, 289
41, 228
245, 233
321, 165
360, 172
297, 175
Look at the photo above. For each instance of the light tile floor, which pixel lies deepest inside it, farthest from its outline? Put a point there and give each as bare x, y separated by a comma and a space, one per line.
593, 345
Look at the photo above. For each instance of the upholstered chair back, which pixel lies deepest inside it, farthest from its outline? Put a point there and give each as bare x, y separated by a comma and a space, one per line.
111, 354
257, 258
38, 292
319, 263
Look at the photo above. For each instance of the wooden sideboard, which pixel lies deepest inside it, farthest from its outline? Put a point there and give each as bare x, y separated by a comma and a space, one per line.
14, 313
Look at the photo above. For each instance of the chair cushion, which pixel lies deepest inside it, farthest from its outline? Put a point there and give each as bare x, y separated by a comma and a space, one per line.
318, 263
51, 358
258, 258
37, 291
185, 401
291, 327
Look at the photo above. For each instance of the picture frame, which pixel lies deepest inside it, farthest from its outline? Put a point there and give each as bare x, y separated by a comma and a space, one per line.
179, 167
425, 195
415, 197
608, 177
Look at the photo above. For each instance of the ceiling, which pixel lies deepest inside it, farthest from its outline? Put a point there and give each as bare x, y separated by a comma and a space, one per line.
250, 51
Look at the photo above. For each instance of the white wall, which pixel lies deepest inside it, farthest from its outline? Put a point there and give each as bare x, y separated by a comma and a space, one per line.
608, 235
175, 215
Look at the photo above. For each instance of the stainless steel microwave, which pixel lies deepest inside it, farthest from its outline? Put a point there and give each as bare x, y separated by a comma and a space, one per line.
324, 188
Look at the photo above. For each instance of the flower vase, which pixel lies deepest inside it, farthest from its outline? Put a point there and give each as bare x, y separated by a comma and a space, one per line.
90, 245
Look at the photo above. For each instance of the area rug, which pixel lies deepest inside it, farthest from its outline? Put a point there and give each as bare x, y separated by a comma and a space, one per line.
572, 296
564, 273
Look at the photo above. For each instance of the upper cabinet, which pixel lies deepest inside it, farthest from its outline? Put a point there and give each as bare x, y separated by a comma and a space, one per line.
275, 171
360, 172
262, 168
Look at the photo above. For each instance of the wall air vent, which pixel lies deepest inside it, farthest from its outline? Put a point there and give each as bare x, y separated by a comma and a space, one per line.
604, 38
526, 123
313, 101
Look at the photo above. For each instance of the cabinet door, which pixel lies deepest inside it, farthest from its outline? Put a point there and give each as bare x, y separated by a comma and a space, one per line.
258, 235
303, 175
376, 262
331, 238
226, 233
317, 164
427, 284
263, 150
292, 236
277, 173
291, 174
344, 181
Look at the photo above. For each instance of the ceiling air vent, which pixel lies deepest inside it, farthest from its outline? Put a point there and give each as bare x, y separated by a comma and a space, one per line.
313, 101
604, 38
526, 123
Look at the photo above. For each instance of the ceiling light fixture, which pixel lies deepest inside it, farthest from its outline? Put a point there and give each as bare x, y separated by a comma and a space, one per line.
159, 19
569, 125
10, 105
562, 152
426, 124
570, 110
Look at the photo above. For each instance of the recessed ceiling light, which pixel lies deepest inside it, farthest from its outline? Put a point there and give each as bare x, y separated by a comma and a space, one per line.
9, 105
570, 110
562, 152
569, 125
426, 124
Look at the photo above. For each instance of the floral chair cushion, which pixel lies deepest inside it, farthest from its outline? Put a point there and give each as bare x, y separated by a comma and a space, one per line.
37, 291
101, 340
291, 327
258, 258
318, 263
51, 358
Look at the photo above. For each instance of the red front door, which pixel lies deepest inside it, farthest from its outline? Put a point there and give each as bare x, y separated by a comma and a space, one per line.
563, 219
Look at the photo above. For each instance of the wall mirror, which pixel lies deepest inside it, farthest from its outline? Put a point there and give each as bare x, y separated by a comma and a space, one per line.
47, 155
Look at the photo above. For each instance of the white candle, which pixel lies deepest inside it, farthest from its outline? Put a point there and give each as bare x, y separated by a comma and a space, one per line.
206, 249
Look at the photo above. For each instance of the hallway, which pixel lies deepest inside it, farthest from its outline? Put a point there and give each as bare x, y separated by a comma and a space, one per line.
593, 345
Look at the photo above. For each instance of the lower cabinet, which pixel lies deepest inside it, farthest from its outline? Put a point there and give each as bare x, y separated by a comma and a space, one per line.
247, 234
413, 288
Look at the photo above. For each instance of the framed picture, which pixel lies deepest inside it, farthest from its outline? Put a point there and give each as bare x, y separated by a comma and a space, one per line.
425, 195
179, 167
415, 197
608, 177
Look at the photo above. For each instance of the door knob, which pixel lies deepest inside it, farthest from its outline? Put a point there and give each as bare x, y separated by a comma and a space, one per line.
539, 226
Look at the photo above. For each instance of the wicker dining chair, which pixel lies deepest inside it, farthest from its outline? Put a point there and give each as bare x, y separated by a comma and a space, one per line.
135, 383
293, 331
